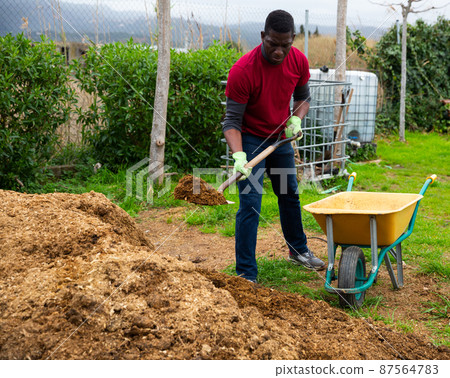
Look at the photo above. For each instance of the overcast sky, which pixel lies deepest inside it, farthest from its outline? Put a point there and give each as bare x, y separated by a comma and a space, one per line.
359, 11
356, 8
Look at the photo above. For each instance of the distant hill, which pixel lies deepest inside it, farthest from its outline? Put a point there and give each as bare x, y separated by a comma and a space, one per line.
77, 19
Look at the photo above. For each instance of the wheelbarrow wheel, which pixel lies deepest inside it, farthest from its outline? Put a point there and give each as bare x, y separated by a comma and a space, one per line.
352, 271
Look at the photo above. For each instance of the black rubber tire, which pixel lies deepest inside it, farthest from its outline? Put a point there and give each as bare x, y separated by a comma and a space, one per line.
352, 262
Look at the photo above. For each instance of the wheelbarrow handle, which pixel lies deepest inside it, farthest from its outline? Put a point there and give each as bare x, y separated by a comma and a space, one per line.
432, 178
428, 181
351, 178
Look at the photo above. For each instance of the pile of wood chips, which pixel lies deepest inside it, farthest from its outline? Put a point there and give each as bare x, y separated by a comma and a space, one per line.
80, 280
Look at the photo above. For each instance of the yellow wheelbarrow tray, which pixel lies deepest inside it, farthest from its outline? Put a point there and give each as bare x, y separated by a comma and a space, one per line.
355, 220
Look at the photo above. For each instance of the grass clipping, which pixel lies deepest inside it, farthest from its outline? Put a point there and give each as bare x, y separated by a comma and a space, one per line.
195, 190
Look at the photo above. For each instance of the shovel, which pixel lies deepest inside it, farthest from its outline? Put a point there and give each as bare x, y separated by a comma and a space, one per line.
279, 142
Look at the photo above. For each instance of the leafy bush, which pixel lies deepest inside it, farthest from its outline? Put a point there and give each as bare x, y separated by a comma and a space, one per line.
122, 78
427, 76
356, 41
34, 101
367, 151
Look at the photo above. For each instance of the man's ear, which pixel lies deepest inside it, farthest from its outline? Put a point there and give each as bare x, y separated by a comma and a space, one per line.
262, 36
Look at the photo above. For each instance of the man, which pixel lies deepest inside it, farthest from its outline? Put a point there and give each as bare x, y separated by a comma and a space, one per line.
259, 89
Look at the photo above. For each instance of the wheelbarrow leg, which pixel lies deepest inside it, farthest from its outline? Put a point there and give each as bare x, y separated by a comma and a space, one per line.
398, 250
373, 243
397, 254
331, 249
390, 271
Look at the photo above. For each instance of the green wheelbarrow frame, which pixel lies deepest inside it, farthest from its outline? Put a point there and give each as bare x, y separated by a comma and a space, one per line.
362, 283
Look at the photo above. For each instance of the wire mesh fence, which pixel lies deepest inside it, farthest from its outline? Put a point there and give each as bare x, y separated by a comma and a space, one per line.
320, 154
195, 23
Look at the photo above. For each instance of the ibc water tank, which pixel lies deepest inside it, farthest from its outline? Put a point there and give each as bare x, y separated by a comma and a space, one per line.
363, 106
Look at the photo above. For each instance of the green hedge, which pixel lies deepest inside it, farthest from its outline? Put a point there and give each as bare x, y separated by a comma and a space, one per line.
428, 68
122, 79
35, 99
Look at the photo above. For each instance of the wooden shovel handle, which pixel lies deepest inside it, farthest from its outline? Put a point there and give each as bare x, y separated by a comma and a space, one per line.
340, 129
257, 159
230, 181
260, 157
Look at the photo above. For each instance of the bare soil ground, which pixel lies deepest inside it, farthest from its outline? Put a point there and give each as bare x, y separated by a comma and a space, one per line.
216, 252
80, 280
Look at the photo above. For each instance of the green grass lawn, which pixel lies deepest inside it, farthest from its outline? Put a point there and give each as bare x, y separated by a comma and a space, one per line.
403, 168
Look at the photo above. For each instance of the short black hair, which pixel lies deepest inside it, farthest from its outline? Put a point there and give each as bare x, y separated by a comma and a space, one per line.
279, 21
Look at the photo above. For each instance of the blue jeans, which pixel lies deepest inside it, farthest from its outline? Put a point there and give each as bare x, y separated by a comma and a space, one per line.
280, 167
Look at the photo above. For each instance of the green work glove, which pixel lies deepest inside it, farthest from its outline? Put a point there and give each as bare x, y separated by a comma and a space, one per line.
240, 159
293, 126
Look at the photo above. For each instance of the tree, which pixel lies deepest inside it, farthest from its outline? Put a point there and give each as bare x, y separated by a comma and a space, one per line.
341, 55
302, 30
401, 126
406, 8
341, 37
316, 32
158, 134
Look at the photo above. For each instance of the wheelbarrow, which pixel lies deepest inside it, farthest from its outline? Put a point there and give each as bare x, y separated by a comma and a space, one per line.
356, 220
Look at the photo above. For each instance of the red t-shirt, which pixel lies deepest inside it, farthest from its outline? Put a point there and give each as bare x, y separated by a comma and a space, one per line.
266, 89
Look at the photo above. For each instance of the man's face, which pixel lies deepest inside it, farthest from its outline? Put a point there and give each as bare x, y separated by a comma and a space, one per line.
277, 45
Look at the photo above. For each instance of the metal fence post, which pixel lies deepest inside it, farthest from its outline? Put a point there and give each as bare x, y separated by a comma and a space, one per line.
306, 31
